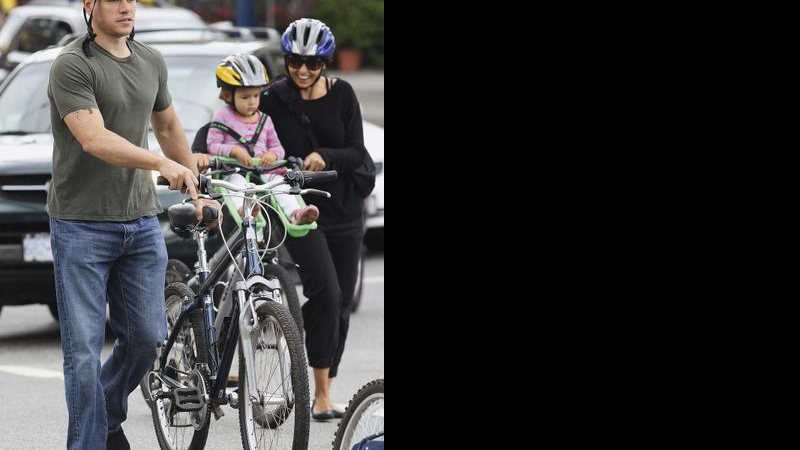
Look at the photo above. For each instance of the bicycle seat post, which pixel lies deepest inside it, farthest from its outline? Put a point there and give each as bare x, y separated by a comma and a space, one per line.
202, 255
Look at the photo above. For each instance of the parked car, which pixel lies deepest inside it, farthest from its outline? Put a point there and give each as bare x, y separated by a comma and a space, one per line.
31, 28
26, 270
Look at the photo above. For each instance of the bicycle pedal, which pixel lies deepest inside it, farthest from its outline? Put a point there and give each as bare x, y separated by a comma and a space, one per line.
187, 399
218, 412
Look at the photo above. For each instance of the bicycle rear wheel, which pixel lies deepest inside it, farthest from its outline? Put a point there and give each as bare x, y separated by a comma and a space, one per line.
363, 418
276, 417
177, 430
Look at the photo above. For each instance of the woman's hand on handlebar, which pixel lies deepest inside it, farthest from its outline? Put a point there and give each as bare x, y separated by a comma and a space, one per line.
179, 177
314, 162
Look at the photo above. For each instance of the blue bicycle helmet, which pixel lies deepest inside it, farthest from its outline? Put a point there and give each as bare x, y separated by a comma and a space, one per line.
308, 37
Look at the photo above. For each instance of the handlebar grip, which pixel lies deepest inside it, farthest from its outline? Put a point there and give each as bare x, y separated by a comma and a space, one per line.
210, 214
205, 184
215, 163
295, 162
319, 177
161, 181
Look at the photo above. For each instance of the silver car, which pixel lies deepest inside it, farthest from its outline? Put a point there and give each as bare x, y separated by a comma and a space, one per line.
31, 28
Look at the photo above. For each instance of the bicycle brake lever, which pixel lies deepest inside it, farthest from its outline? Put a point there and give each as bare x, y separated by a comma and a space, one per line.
204, 197
316, 192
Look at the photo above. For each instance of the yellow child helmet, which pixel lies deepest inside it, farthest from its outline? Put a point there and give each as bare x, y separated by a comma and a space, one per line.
243, 70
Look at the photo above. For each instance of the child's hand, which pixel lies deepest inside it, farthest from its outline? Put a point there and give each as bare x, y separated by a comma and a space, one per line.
242, 156
268, 159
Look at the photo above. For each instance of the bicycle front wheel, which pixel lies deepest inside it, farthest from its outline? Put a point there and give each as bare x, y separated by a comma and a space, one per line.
177, 430
288, 292
363, 419
275, 416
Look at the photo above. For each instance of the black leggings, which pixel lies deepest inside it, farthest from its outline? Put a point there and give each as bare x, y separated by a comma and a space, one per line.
328, 260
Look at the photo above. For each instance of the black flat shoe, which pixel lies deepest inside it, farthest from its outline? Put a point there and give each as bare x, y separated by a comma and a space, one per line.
323, 416
117, 441
338, 411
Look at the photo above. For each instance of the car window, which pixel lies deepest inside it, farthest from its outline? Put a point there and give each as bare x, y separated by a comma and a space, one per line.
273, 59
193, 86
38, 33
24, 107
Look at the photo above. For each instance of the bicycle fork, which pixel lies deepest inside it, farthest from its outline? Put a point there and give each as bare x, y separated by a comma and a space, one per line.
248, 321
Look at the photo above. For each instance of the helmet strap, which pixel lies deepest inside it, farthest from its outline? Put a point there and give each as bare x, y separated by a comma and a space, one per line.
87, 47
91, 35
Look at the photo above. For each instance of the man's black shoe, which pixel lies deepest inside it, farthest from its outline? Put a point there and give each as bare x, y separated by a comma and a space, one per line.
117, 441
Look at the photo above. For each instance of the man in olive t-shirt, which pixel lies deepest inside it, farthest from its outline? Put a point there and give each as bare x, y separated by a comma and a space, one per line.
107, 243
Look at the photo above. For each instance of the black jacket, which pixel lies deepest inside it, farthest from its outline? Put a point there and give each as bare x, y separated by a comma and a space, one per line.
336, 121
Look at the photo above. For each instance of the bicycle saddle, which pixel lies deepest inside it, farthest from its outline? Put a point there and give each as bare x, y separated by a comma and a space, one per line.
182, 219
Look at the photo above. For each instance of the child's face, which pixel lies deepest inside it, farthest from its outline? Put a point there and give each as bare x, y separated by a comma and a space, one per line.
247, 100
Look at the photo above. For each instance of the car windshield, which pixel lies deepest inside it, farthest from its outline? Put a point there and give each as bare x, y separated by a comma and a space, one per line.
24, 108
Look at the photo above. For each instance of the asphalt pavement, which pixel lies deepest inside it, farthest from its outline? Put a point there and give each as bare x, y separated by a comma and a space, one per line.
33, 412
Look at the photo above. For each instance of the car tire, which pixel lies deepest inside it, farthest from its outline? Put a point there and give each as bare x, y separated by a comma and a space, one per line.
177, 272
53, 307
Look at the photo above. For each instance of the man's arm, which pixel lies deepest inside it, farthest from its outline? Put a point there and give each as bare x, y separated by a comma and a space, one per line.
88, 127
170, 135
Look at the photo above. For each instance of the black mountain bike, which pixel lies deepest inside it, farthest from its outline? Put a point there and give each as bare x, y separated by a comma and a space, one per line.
189, 378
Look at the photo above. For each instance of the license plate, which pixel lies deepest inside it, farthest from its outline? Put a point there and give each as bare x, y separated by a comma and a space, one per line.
36, 248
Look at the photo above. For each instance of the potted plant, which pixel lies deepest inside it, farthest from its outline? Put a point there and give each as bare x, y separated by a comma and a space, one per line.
357, 26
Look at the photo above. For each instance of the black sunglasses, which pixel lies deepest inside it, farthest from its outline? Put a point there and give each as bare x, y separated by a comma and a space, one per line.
311, 62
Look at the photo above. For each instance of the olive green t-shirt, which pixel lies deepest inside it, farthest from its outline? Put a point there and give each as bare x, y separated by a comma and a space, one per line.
126, 91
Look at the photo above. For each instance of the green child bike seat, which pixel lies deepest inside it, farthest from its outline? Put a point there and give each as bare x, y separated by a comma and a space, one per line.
294, 230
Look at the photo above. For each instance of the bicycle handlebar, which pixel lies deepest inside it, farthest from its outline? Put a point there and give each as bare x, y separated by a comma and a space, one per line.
295, 178
218, 164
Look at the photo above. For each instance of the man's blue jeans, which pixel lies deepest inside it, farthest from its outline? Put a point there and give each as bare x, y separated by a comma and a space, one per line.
123, 263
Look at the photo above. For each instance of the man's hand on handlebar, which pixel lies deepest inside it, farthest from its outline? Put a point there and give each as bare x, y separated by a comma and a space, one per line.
200, 203
202, 161
179, 177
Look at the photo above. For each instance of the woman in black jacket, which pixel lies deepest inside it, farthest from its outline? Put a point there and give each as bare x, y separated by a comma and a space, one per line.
333, 140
